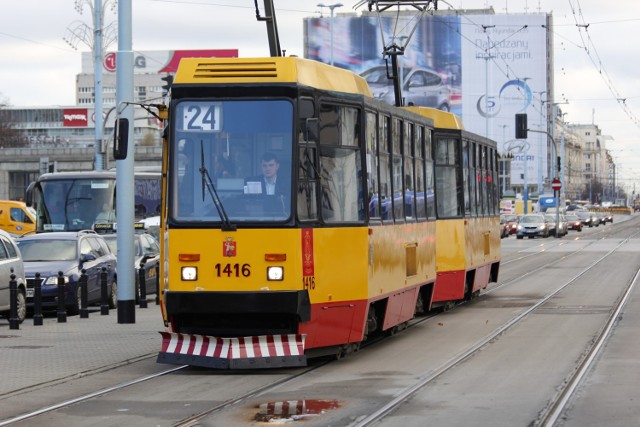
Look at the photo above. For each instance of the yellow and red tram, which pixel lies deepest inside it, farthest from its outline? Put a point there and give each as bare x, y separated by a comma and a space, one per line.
375, 214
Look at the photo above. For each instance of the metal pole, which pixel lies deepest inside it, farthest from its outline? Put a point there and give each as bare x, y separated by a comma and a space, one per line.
331, 8
97, 68
37, 301
14, 322
124, 169
331, 31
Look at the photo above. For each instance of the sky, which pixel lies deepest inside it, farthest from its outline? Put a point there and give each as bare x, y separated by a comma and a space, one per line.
596, 58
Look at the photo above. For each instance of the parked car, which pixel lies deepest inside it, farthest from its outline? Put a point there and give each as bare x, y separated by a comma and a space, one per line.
147, 248
420, 86
11, 260
70, 253
512, 222
573, 222
532, 225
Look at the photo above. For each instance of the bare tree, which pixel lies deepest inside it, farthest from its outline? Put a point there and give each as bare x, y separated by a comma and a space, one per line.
9, 136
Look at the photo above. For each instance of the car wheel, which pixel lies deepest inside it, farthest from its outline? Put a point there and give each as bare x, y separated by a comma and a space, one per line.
21, 301
444, 107
519, 237
113, 298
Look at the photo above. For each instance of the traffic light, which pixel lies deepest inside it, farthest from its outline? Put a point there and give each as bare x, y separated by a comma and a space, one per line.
521, 126
165, 88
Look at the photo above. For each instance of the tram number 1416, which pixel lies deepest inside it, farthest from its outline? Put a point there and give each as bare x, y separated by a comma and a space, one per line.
309, 282
233, 270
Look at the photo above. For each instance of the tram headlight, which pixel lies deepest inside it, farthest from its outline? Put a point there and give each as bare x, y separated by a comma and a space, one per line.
275, 273
189, 273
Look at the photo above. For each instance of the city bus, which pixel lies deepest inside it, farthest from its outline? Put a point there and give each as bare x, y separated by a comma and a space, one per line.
72, 201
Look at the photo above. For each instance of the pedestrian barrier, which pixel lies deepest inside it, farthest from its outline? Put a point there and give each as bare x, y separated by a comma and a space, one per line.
61, 309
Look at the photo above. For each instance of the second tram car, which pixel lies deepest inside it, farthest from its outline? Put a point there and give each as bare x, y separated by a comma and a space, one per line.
301, 216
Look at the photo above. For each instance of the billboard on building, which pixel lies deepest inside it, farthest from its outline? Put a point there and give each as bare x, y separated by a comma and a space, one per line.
157, 61
75, 117
483, 67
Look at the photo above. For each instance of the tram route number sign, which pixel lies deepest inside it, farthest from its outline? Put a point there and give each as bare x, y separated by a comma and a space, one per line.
556, 184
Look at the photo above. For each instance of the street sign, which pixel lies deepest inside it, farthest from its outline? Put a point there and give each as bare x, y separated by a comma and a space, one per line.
556, 184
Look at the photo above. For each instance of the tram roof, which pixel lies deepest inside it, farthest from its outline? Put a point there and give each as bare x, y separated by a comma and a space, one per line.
441, 119
270, 70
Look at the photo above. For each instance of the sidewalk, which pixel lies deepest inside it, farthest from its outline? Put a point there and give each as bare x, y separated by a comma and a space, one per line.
35, 355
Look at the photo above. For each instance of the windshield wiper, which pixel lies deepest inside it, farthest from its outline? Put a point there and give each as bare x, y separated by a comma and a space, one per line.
208, 183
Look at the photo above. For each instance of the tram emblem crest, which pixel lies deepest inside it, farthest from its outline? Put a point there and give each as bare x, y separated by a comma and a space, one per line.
229, 247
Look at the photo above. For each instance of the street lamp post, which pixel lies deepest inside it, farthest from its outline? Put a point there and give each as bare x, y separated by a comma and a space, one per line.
98, 39
331, 8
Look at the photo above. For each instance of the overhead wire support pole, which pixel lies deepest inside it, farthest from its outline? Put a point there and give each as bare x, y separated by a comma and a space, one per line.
393, 49
272, 26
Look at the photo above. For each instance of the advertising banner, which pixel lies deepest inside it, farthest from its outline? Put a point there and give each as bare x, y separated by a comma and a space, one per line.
158, 61
483, 67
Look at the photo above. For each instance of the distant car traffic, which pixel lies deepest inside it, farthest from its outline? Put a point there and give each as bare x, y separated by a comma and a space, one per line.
69, 252
147, 248
420, 87
504, 228
11, 263
511, 221
586, 217
573, 222
532, 225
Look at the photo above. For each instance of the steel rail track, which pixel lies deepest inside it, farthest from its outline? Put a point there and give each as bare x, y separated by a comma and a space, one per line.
432, 375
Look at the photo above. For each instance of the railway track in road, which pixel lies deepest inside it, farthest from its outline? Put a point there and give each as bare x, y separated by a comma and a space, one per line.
557, 404
86, 397
229, 400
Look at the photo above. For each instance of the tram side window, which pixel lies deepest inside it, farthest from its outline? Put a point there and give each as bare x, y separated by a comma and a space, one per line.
410, 186
466, 187
448, 189
485, 178
476, 181
495, 204
420, 194
307, 184
342, 196
429, 174
385, 168
397, 170
372, 166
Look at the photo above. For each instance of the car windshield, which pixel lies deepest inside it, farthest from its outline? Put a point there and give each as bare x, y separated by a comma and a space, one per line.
529, 219
47, 250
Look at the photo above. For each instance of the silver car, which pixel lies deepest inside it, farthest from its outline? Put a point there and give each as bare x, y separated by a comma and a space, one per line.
11, 260
532, 225
420, 87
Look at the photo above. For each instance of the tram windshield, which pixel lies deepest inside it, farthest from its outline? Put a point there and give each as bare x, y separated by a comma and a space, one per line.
231, 159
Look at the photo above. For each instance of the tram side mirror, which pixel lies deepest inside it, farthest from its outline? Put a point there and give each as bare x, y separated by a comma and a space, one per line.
311, 130
121, 139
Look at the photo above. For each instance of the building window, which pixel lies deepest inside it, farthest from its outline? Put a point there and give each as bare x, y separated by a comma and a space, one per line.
18, 183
